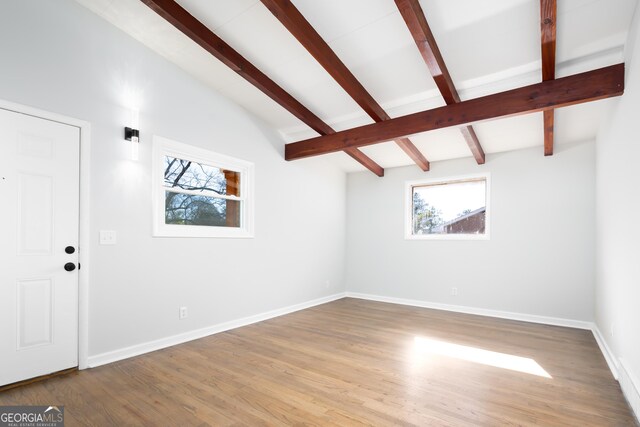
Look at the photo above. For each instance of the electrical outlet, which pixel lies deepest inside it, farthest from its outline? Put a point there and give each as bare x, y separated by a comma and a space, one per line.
183, 313
454, 291
107, 237
327, 284
612, 329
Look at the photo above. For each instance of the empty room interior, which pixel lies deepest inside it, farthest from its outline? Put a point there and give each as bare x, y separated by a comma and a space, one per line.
337, 212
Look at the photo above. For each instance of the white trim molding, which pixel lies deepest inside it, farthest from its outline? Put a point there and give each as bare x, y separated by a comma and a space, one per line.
138, 349
555, 321
630, 387
85, 224
606, 351
451, 180
166, 147
628, 381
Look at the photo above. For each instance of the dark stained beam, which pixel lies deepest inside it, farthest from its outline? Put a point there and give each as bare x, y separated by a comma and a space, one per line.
199, 33
548, 14
576, 89
365, 161
470, 136
416, 21
304, 32
548, 117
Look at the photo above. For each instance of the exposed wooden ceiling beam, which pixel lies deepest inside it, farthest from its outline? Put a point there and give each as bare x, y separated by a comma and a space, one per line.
365, 161
576, 89
548, 9
302, 30
548, 117
199, 33
417, 23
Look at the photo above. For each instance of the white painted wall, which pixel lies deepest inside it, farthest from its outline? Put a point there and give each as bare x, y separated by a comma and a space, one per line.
60, 57
539, 260
618, 226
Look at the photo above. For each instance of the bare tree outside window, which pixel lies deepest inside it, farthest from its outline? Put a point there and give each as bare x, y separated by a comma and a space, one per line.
200, 193
197, 204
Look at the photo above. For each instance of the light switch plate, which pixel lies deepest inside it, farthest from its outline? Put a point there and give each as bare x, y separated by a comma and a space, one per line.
107, 237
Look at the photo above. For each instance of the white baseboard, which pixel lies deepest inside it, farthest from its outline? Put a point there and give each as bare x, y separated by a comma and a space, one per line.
138, 349
579, 324
606, 351
630, 387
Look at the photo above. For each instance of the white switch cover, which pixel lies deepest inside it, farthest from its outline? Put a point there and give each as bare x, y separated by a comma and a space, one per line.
107, 237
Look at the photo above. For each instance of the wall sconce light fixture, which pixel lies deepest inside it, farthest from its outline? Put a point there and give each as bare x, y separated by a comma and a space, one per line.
133, 135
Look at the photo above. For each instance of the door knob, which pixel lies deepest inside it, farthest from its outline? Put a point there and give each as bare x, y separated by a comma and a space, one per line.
69, 249
69, 266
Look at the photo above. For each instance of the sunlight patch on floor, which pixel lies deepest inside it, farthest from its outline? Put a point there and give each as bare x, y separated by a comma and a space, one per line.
427, 346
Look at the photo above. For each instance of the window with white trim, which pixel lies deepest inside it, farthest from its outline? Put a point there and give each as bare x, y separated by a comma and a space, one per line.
199, 193
452, 208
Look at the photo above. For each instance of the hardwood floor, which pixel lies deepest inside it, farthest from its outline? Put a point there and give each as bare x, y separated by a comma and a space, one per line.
352, 362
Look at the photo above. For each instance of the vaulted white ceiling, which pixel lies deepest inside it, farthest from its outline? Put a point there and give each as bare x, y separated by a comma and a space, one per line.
488, 45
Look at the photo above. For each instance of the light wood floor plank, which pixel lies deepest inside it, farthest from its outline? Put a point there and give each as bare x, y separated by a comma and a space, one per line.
349, 362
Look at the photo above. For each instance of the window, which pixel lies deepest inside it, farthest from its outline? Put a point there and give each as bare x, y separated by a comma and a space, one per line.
454, 208
198, 193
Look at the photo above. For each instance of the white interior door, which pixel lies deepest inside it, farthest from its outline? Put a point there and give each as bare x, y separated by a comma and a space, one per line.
39, 214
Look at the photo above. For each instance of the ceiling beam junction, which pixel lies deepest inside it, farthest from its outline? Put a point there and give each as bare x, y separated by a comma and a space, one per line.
180, 18
590, 86
303, 31
416, 21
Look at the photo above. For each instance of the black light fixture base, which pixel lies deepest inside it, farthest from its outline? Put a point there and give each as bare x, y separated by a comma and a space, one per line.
130, 133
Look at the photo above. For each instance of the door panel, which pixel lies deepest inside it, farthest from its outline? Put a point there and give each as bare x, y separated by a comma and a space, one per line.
35, 308
39, 217
35, 214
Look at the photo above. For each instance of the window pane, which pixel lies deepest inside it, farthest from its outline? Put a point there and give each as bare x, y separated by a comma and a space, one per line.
457, 207
188, 175
187, 209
